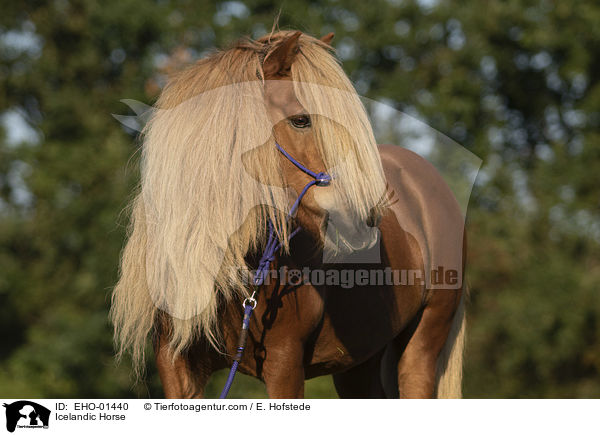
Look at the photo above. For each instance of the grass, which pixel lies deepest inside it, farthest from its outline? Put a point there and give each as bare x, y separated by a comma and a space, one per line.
246, 387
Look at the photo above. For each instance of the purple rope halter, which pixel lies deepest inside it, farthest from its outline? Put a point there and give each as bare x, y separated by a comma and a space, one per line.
273, 245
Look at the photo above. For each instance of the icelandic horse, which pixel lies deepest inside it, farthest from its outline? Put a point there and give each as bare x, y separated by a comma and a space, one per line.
213, 181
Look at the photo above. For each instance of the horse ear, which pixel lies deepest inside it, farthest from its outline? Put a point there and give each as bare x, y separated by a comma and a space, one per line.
279, 61
327, 38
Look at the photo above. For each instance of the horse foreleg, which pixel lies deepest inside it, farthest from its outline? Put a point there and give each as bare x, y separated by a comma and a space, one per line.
421, 346
362, 381
181, 376
283, 371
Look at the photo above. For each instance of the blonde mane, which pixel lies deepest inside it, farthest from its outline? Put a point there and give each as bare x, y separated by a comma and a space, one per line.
200, 212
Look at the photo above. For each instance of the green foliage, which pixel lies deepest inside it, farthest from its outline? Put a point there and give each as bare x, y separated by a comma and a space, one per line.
516, 83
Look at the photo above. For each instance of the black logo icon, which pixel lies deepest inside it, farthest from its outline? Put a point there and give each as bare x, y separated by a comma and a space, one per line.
26, 414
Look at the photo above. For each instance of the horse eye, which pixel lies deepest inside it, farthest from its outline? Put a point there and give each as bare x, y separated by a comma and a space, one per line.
300, 121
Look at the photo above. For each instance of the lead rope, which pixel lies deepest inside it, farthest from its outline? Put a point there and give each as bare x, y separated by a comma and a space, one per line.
273, 245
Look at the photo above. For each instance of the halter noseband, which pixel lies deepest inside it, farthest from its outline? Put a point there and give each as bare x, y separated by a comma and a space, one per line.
273, 245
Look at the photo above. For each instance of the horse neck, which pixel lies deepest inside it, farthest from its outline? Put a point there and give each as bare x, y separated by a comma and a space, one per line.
306, 251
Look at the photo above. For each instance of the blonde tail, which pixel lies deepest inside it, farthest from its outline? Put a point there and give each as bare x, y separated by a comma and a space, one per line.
450, 361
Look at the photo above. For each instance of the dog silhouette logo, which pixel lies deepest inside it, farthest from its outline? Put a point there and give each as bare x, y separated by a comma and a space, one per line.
26, 414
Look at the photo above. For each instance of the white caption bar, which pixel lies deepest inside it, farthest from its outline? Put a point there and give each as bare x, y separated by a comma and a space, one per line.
158, 416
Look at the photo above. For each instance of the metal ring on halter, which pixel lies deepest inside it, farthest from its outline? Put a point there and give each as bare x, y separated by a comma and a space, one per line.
249, 301
323, 179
